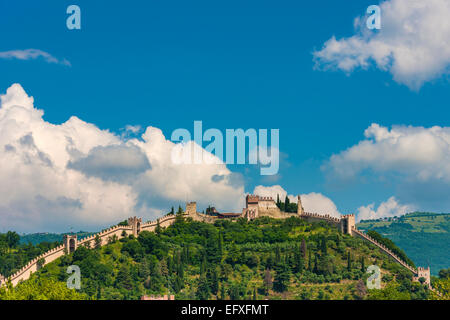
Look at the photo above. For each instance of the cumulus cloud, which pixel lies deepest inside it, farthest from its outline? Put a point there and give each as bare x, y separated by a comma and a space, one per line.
387, 209
312, 202
114, 162
74, 174
31, 54
416, 152
412, 43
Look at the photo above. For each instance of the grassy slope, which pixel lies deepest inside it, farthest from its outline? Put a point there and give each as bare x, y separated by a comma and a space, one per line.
425, 237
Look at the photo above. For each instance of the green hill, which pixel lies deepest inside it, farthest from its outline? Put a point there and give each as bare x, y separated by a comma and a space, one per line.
424, 236
261, 259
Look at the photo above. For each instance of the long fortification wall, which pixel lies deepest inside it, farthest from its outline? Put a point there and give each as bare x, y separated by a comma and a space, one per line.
163, 223
362, 235
191, 212
104, 236
315, 217
32, 266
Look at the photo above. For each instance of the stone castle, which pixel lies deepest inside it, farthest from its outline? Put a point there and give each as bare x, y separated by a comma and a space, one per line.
256, 206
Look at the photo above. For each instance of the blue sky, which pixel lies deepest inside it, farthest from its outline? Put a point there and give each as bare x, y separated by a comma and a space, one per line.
231, 64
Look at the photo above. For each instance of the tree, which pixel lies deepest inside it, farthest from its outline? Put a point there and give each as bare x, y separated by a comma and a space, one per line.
444, 273
277, 254
123, 279
316, 265
220, 244
282, 277
158, 228
213, 280
310, 267
41, 289
267, 281
222, 292
303, 248
286, 204
203, 292
323, 245
442, 287
40, 263
349, 261
97, 242
361, 290
299, 263
12, 238
203, 265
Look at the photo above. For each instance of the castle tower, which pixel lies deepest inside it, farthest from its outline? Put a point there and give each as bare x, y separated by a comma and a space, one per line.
347, 223
70, 243
191, 208
300, 210
423, 273
135, 224
252, 204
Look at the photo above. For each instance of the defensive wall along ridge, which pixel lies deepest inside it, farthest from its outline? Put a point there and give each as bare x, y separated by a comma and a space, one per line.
71, 243
254, 209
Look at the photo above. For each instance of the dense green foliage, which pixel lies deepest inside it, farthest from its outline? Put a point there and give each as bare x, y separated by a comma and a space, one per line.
390, 245
14, 255
40, 289
286, 206
264, 258
423, 236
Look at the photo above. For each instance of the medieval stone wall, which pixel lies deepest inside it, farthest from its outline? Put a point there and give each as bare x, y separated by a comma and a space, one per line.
346, 224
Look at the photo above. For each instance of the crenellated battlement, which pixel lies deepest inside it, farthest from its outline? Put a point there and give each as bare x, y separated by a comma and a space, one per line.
383, 248
321, 216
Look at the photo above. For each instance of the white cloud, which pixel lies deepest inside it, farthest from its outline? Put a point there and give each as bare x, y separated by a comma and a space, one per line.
412, 43
312, 202
31, 54
318, 203
74, 174
418, 153
389, 208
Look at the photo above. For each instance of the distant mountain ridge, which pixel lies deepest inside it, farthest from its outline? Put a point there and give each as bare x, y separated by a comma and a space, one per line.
36, 238
424, 236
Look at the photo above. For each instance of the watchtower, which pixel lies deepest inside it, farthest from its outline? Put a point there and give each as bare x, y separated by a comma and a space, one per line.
347, 223
135, 224
300, 210
423, 273
191, 208
70, 242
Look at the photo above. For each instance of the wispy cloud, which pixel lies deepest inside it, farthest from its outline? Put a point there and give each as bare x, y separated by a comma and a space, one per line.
30, 54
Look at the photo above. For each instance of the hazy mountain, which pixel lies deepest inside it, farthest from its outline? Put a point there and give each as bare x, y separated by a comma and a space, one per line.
424, 236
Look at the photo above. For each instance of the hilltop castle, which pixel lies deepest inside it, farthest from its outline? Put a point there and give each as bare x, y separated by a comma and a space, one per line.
256, 206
